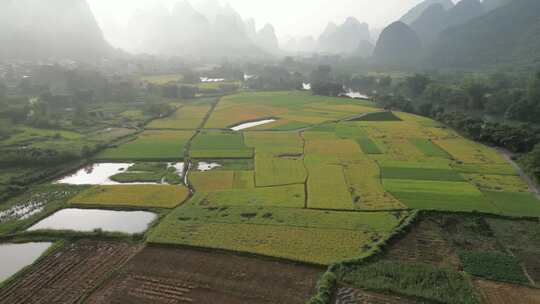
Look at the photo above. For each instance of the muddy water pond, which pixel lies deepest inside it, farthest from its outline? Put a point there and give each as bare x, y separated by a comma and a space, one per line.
252, 124
88, 220
14, 257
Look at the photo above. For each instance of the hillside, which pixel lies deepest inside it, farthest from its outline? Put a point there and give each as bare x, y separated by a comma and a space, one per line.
345, 38
507, 35
436, 18
63, 29
398, 45
418, 10
208, 30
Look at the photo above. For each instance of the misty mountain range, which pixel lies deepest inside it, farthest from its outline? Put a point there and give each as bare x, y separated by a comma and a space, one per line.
435, 33
36, 29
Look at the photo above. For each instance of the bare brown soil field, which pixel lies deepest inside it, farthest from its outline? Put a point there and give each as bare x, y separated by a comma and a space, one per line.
424, 244
168, 275
502, 293
531, 262
68, 274
347, 295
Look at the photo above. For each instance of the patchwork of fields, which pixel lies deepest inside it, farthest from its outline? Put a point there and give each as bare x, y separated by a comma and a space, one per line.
332, 179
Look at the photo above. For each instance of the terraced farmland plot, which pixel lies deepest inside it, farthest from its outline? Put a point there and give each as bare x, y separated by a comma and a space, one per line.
429, 174
186, 117
275, 171
217, 144
504, 183
364, 181
277, 144
297, 108
199, 210
151, 196
311, 245
151, 146
326, 144
212, 180
369, 146
327, 188
490, 169
281, 196
470, 152
439, 195
429, 148
514, 203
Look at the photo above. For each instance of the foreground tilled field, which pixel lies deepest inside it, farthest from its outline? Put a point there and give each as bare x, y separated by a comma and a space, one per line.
164, 275
501, 293
69, 274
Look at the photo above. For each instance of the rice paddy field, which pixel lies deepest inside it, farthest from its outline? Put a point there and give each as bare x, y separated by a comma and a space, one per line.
331, 180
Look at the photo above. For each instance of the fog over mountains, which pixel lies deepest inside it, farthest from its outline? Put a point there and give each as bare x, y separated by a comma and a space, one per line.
434, 33
36, 29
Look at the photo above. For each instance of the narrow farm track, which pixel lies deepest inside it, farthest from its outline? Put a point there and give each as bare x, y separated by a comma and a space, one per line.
301, 134
187, 159
533, 186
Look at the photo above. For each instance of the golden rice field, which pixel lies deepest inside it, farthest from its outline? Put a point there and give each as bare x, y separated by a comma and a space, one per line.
314, 157
149, 196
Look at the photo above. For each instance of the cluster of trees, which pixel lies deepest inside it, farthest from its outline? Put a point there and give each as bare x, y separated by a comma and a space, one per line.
517, 138
275, 77
498, 94
324, 81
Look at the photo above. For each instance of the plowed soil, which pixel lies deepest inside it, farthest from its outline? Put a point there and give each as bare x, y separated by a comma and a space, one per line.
68, 274
347, 295
167, 275
501, 293
424, 244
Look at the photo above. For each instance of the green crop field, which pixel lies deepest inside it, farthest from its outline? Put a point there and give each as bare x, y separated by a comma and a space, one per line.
273, 171
429, 148
150, 146
421, 174
217, 144
369, 146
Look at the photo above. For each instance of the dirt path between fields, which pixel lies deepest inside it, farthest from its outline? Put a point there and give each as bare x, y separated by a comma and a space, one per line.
188, 164
533, 186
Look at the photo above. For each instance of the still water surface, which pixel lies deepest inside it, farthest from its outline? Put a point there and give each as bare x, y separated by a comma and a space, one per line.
88, 220
14, 257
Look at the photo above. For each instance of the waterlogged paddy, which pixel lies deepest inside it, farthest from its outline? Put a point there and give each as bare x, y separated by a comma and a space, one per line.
15, 257
252, 124
202, 166
100, 174
95, 174
88, 220
356, 95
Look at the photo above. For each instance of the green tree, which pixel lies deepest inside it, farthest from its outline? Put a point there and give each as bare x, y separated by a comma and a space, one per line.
533, 90
531, 162
188, 92
322, 74
417, 83
476, 90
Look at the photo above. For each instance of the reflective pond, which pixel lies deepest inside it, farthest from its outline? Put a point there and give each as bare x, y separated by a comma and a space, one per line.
88, 220
252, 124
14, 257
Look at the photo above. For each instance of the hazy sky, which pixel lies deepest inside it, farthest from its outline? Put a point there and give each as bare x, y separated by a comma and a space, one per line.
290, 17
